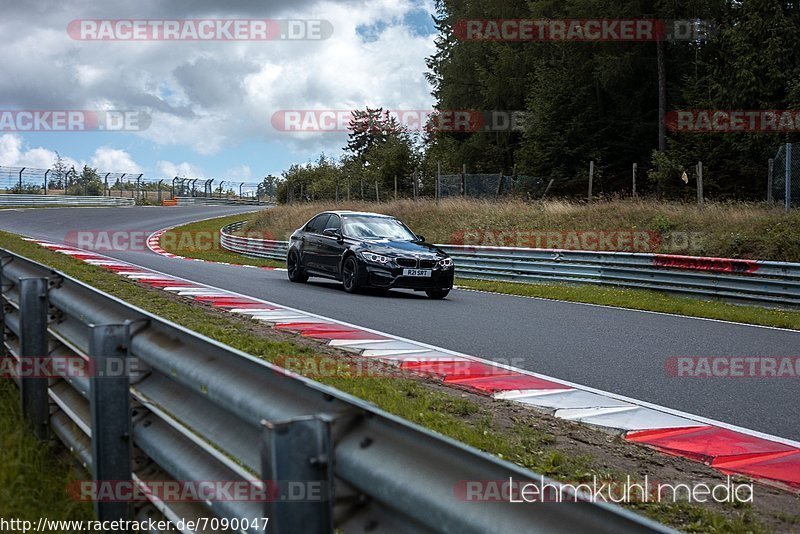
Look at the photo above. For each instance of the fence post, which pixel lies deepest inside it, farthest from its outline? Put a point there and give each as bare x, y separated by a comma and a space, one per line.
700, 197
788, 201
547, 189
395, 187
634, 180
299, 451
464, 180
34, 347
591, 178
770, 167
499, 190
377, 194
438, 180
110, 413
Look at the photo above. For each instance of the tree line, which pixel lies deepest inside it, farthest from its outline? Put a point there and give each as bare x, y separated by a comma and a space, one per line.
585, 101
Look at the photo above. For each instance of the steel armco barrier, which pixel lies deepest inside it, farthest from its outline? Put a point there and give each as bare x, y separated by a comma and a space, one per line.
251, 246
213, 201
760, 282
193, 409
61, 200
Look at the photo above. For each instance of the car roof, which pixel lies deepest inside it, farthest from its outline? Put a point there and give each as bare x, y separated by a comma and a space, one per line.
366, 213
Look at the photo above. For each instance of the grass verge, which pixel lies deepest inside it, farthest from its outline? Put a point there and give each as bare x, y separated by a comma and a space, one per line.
640, 299
201, 240
33, 475
553, 447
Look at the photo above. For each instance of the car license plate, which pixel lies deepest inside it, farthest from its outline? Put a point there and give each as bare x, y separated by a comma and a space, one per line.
416, 272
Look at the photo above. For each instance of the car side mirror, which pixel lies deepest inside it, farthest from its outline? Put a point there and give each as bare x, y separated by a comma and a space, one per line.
420, 237
332, 232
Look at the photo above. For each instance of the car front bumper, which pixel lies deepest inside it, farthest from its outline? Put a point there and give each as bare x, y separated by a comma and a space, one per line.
392, 278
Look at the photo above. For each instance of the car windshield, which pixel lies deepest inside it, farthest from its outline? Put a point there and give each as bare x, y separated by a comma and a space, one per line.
365, 227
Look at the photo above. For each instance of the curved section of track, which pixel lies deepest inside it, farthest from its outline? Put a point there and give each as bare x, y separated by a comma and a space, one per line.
622, 351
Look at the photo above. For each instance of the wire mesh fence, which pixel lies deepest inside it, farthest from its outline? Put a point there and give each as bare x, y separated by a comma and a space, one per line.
487, 186
29, 180
785, 176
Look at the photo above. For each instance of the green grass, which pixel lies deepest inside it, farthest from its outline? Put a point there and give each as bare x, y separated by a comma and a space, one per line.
639, 299
201, 240
33, 475
26, 464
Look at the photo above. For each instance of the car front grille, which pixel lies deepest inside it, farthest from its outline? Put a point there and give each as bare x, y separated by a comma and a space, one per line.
427, 264
407, 262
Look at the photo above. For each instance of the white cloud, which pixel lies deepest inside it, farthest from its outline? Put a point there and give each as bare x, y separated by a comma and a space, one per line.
242, 172
208, 95
14, 153
168, 169
114, 160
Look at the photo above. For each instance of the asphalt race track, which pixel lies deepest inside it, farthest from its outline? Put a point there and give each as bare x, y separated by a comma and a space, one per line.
616, 350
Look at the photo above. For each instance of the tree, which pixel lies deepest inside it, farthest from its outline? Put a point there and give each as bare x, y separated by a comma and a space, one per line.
58, 173
88, 183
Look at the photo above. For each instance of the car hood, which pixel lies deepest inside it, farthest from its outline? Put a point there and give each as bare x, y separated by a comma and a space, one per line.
390, 247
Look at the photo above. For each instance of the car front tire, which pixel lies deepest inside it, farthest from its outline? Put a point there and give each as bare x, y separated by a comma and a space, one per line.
350, 274
295, 270
437, 294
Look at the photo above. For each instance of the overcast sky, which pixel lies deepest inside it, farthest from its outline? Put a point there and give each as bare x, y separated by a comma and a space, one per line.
210, 102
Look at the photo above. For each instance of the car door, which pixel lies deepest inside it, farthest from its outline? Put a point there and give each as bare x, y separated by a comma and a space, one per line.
331, 248
312, 243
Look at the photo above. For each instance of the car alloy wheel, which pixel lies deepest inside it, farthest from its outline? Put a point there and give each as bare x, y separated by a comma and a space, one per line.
294, 268
350, 274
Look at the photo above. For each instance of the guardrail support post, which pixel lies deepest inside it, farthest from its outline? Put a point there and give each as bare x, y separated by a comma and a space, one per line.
296, 464
3, 261
111, 417
33, 344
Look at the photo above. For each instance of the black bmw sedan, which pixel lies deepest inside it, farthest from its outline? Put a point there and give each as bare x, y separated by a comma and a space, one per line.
368, 250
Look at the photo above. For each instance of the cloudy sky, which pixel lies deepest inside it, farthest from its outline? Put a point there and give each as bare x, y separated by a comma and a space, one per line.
209, 103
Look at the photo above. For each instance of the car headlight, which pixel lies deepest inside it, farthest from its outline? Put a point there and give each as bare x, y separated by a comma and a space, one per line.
446, 263
375, 258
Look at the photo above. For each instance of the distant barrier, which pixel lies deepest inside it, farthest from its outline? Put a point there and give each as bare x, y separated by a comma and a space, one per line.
211, 201
62, 200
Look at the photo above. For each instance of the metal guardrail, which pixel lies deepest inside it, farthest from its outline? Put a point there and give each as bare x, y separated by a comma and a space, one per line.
62, 200
212, 201
193, 409
761, 282
252, 247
